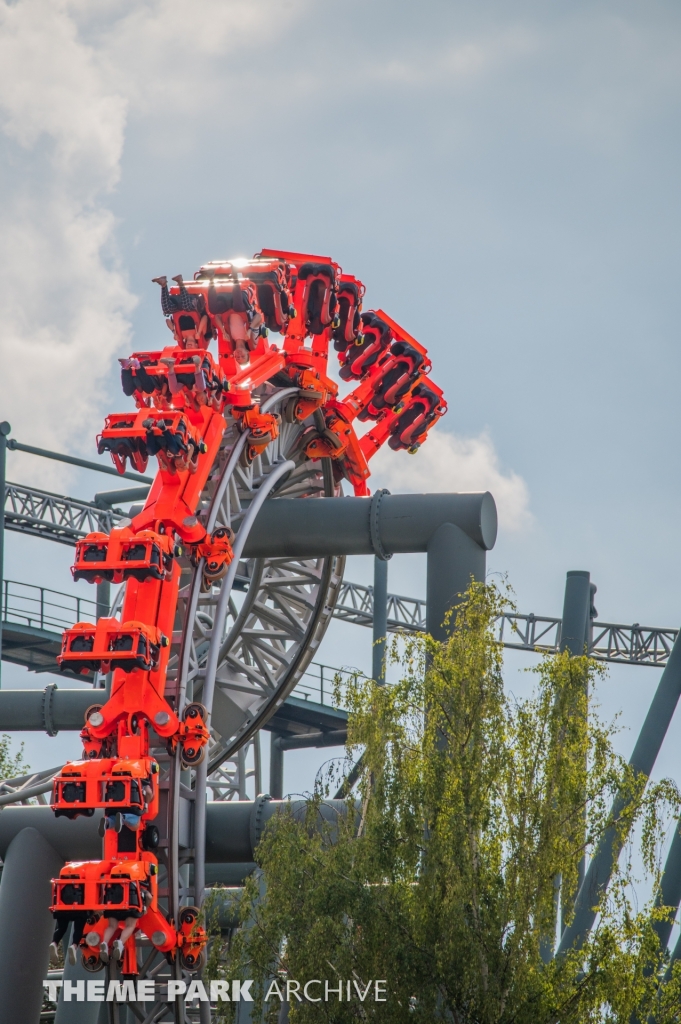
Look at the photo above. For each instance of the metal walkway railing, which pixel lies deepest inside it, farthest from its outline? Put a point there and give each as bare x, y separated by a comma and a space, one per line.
42, 608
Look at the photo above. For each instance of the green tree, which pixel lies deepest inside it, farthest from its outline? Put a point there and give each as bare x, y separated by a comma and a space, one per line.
441, 876
11, 764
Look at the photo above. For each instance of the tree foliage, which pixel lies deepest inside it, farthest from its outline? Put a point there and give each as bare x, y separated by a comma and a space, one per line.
441, 876
11, 764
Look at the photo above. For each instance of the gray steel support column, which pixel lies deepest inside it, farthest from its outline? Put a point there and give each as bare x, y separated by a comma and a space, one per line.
380, 619
575, 636
74, 1012
103, 598
453, 560
26, 925
647, 747
676, 955
593, 614
670, 896
276, 767
575, 629
4, 431
670, 886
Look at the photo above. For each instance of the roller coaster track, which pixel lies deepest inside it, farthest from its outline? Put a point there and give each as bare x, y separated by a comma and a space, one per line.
198, 668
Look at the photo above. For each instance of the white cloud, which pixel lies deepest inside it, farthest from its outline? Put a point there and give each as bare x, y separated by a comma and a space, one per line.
66, 301
449, 463
171, 63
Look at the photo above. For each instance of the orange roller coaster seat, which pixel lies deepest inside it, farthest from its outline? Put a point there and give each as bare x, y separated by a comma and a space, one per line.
424, 408
369, 348
123, 555
350, 295
169, 435
394, 378
318, 296
110, 783
107, 887
110, 645
171, 373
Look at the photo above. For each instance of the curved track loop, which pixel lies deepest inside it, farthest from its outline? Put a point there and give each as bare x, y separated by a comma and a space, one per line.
241, 658
265, 640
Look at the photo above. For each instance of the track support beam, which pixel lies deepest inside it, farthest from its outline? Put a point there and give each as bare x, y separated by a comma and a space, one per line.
4, 431
380, 627
642, 760
26, 924
276, 767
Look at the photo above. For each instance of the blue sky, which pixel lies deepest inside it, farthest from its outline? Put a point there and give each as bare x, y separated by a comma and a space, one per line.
503, 177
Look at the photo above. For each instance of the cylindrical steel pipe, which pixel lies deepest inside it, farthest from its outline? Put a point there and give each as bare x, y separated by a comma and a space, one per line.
49, 710
26, 925
311, 528
574, 632
233, 828
276, 767
454, 559
380, 632
575, 637
670, 886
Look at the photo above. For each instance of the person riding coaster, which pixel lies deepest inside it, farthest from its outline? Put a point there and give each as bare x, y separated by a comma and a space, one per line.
186, 314
172, 375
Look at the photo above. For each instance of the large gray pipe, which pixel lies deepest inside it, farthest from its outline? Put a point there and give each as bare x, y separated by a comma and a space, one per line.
642, 760
670, 887
454, 559
575, 637
276, 767
574, 632
454, 529
295, 528
380, 631
233, 829
26, 925
49, 710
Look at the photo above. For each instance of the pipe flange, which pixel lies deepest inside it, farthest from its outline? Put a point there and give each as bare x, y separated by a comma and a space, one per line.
374, 532
48, 718
257, 820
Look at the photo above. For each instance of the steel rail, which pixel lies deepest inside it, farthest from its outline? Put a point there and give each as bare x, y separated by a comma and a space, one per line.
221, 611
16, 446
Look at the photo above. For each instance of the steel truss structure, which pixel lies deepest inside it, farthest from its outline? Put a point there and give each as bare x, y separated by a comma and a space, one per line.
611, 641
53, 516
66, 520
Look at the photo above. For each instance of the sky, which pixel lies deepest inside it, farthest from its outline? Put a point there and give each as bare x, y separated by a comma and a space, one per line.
503, 178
